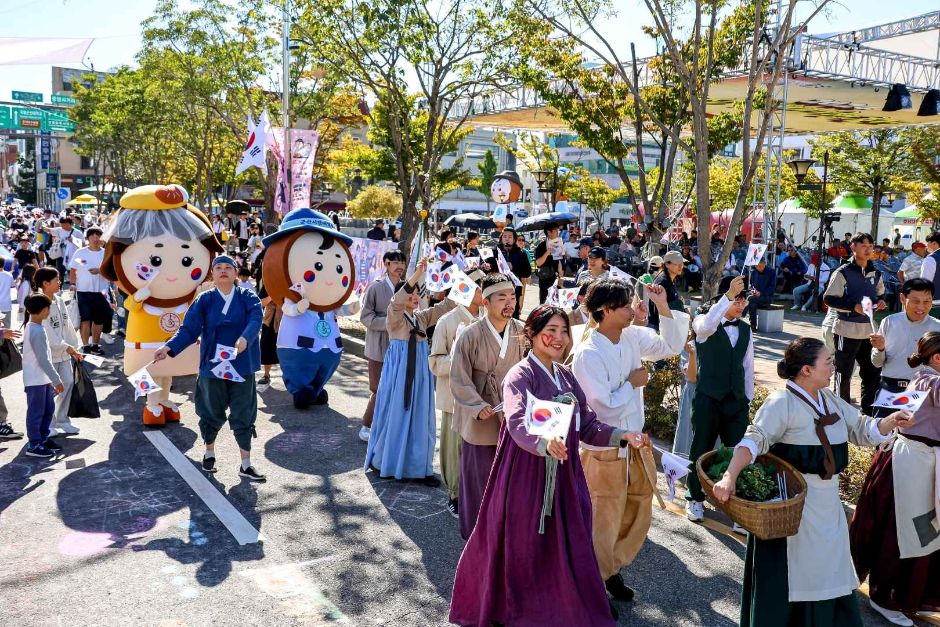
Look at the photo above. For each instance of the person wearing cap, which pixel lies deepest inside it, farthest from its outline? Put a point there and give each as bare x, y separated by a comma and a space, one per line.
597, 267
609, 366
584, 247
310, 273
673, 267
482, 356
91, 290
910, 267
375, 302
158, 250
724, 381
445, 335
653, 267
224, 317
65, 241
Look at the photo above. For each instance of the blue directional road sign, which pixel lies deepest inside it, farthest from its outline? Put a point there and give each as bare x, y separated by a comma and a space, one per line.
62, 193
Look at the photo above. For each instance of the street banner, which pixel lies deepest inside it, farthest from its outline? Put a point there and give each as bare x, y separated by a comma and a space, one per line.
256, 146
909, 400
367, 256
755, 252
303, 153
547, 418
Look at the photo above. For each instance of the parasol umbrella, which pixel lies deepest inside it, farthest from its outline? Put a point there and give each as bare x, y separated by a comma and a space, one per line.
84, 199
538, 222
109, 188
470, 221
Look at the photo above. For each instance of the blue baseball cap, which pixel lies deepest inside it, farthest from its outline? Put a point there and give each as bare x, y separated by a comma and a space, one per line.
306, 219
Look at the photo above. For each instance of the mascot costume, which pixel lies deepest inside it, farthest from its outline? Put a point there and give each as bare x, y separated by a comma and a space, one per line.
309, 272
158, 250
505, 190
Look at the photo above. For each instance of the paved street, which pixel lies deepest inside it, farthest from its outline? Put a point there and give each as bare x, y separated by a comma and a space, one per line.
111, 534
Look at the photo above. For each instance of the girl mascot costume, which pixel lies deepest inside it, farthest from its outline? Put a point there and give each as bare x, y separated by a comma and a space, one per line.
309, 272
158, 249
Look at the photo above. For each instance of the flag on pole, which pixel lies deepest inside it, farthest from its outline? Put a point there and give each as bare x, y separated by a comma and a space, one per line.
674, 468
869, 310
417, 246
463, 290
255, 147
143, 383
755, 252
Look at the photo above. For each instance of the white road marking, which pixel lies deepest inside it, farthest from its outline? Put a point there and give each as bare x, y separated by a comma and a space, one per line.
238, 526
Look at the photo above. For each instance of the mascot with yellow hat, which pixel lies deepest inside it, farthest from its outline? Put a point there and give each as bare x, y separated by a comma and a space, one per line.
309, 272
158, 249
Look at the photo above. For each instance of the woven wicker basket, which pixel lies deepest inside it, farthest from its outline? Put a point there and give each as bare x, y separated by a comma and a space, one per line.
767, 521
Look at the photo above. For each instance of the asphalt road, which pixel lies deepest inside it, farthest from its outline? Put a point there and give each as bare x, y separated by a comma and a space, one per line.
110, 534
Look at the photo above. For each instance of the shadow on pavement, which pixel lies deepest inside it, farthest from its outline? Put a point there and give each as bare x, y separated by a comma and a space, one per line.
313, 441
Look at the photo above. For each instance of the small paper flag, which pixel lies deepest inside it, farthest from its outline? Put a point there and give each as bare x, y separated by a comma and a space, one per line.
143, 383
568, 297
755, 252
145, 272
432, 277
547, 418
909, 400
224, 353
463, 289
225, 371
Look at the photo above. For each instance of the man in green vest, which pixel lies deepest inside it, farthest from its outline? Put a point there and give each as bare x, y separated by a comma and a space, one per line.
725, 386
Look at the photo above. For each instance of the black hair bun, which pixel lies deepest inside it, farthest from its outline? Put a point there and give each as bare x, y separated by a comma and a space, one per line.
782, 370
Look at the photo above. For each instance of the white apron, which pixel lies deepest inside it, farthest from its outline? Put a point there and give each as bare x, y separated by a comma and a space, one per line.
916, 471
819, 561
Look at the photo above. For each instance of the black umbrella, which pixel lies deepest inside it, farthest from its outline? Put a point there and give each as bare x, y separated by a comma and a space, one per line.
538, 221
470, 221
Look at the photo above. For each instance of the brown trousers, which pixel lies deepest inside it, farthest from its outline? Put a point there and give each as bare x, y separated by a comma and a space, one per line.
375, 373
622, 507
449, 453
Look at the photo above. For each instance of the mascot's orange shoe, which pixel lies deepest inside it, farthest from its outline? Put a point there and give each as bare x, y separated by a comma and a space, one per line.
170, 414
153, 420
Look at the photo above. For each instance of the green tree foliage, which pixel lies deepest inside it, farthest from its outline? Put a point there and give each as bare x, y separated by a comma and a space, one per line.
487, 170
591, 192
375, 201
25, 188
867, 163
452, 52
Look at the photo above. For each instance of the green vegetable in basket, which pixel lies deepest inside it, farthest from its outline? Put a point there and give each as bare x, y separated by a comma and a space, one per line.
755, 483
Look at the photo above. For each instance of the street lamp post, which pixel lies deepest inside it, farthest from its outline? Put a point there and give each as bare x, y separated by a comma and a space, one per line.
800, 169
547, 183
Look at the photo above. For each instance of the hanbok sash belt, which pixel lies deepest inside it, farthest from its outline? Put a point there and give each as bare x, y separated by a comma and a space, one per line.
822, 421
413, 336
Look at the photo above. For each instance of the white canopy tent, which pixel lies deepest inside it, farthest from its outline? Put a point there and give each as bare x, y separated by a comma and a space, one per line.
801, 228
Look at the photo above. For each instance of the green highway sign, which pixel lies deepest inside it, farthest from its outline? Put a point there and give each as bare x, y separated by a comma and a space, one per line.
35, 119
27, 96
62, 99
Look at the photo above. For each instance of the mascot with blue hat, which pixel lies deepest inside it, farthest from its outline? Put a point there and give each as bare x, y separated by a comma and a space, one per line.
310, 273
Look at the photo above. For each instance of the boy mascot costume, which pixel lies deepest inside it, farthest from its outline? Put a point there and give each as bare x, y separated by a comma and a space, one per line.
309, 272
158, 250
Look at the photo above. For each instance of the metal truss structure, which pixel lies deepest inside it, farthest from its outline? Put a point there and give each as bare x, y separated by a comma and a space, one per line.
909, 26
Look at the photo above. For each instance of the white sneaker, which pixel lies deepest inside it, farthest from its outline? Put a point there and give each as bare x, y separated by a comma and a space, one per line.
364, 434
794, 307
55, 432
893, 616
738, 529
69, 429
107, 338
695, 511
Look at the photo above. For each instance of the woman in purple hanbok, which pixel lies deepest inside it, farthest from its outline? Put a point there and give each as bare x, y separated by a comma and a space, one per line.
530, 559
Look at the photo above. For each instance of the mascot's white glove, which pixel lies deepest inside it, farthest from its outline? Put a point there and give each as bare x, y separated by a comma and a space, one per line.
142, 294
302, 305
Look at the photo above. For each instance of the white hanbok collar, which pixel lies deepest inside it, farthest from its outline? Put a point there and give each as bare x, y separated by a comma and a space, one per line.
552, 374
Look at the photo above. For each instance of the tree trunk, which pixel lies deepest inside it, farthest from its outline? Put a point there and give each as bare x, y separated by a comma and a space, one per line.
875, 214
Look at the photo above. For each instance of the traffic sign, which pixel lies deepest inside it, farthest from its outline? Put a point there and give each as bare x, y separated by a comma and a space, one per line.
45, 151
63, 99
52, 180
27, 96
36, 118
62, 193
6, 117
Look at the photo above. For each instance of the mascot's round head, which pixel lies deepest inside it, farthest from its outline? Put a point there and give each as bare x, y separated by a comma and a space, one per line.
308, 258
158, 240
506, 188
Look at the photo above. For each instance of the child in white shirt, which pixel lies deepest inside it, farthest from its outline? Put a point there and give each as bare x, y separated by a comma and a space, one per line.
40, 380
